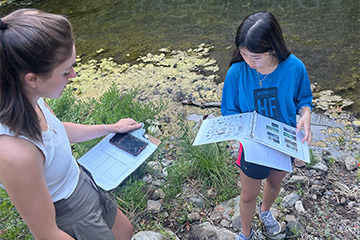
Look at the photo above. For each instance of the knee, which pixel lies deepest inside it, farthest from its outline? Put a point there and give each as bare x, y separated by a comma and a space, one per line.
127, 227
248, 198
122, 228
130, 228
273, 185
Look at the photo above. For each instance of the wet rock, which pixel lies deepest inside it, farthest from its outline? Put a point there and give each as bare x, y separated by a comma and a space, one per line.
165, 50
168, 76
326, 101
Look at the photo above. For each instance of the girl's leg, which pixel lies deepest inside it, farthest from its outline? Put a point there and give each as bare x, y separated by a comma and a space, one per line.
122, 229
271, 188
250, 189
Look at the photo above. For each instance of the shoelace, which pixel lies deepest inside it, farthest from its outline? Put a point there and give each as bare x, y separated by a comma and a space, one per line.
268, 219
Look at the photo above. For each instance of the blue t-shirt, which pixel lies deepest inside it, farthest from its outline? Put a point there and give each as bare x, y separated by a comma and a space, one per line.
283, 93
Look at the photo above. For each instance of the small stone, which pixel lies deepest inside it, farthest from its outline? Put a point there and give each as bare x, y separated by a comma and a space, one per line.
320, 166
194, 216
299, 207
225, 223
290, 200
351, 163
295, 179
154, 206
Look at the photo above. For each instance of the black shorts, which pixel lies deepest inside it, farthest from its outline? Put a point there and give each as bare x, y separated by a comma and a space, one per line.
88, 213
252, 170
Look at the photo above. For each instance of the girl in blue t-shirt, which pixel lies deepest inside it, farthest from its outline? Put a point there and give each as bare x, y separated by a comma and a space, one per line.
264, 77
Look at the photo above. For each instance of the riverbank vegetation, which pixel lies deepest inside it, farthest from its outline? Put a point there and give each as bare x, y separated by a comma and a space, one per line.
206, 165
171, 91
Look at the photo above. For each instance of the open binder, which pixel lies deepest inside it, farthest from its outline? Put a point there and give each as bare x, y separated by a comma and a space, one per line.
110, 165
255, 127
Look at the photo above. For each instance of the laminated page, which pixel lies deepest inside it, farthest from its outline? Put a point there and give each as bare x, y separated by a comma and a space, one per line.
281, 137
110, 165
266, 156
224, 128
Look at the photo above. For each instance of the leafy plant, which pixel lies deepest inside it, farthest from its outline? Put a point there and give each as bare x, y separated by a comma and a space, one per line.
278, 201
295, 231
341, 140
299, 190
209, 164
331, 163
313, 159
113, 106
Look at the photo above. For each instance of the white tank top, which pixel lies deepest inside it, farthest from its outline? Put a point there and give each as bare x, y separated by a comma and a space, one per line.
61, 170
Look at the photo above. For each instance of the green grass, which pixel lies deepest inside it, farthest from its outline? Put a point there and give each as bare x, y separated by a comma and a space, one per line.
110, 108
131, 197
209, 164
11, 224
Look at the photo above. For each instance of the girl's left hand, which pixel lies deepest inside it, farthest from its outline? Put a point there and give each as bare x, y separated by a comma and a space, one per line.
123, 125
305, 122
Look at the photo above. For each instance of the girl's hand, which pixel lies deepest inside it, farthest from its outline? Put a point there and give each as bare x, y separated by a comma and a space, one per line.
123, 125
305, 122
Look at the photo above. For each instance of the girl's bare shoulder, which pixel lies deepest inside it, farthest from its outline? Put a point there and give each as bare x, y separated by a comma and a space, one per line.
16, 151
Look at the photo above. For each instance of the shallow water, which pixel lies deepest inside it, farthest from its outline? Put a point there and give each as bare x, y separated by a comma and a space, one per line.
324, 34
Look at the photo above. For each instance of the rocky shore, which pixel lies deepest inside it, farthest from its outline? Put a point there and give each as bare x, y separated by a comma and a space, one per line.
321, 201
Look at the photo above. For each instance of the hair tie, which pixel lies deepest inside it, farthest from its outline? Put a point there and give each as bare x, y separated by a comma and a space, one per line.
3, 25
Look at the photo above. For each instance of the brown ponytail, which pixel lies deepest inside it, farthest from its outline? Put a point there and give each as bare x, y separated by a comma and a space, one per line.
30, 41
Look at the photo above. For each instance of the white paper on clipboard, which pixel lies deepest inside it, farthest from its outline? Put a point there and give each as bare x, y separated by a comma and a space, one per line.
110, 165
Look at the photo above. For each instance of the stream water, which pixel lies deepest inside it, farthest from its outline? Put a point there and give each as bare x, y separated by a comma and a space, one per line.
324, 34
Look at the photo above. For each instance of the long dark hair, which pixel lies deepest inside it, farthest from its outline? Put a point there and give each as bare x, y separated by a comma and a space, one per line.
260, 32
31, 41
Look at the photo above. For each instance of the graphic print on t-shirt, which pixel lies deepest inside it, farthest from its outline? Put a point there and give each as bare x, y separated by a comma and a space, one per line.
266, 102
